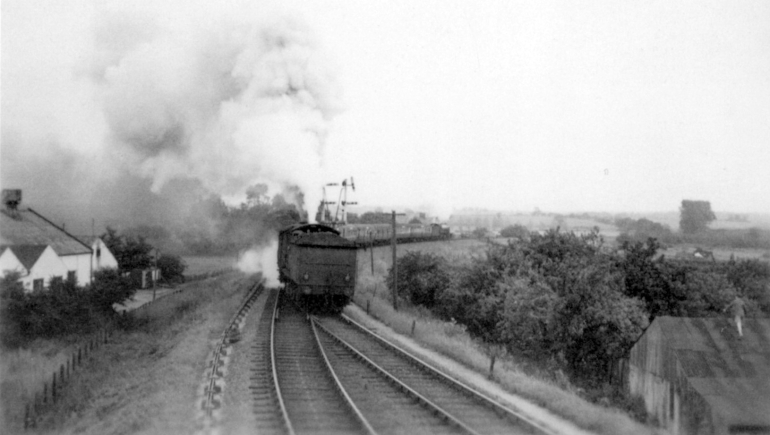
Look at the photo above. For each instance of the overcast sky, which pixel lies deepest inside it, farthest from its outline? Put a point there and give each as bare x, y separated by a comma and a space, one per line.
566, 106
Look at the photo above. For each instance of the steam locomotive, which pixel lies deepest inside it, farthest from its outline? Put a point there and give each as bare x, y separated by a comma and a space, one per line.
317, 266
317, 263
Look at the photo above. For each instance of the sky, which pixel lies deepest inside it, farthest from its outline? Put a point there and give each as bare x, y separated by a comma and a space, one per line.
564, 106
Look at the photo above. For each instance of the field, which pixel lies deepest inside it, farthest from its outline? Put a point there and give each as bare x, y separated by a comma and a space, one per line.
201, 264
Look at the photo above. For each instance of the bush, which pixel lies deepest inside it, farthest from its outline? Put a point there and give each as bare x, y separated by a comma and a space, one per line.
515, 231
420, 277
11, 299
172, 268
108, 288
64, 308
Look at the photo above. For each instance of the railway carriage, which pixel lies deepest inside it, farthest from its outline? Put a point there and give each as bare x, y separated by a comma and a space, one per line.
317, 266
380, 234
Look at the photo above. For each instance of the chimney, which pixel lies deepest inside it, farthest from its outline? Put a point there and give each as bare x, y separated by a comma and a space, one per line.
11, 199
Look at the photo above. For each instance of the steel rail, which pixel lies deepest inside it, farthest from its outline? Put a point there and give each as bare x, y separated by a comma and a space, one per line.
409, 390
499, 408
287, 421
369, 429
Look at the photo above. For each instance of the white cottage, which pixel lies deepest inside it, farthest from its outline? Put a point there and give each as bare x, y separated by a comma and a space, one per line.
33, 239
101, 256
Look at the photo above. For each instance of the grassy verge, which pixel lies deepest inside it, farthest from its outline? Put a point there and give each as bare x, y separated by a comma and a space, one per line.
202, 264
147, 376
554, 393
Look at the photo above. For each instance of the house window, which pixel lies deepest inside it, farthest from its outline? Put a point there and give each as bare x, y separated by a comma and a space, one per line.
37, 285
72, 276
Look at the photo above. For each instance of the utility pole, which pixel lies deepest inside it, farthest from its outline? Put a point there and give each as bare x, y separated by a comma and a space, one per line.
395, 264
154, 272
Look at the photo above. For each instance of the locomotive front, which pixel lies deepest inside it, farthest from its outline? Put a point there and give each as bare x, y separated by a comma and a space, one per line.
317, 266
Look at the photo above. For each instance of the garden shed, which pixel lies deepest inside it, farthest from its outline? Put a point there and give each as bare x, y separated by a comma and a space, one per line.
697, 377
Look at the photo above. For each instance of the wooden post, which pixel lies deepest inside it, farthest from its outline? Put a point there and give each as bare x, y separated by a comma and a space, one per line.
491, 365
27, 419
53, 388
414, 322
395, 265
371, 252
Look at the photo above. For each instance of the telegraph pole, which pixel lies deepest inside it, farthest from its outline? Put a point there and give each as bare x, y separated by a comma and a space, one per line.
395, 264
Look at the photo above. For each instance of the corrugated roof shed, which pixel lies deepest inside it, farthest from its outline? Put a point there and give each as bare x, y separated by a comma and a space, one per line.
27, 227
732, 375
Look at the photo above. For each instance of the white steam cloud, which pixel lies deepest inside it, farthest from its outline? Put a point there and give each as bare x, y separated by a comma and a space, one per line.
230, 106
262, 259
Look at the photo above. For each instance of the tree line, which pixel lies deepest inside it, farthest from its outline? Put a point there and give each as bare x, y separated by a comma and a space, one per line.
569, 301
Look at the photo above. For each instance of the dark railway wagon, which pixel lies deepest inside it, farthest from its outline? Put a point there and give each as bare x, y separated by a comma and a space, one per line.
317, 266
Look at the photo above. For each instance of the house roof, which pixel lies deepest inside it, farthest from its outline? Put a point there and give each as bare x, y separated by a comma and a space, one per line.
28, 254
87, 239
29, 228
732, 375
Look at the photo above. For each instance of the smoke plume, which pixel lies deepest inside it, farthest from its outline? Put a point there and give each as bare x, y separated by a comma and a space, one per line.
262, 259
167, 113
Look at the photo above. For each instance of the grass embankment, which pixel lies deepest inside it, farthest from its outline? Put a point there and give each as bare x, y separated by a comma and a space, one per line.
146, 378
553, 392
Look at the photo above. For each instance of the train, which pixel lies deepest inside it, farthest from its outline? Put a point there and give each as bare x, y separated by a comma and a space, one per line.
365, 235
317, 263
317, 266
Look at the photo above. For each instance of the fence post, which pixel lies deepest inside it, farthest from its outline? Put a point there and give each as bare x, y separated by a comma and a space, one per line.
413, 325
492, 365
53, 388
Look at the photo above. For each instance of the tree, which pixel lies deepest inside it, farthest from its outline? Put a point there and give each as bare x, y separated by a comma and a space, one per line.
421, 277
515, 231
171, 268
695, 216
131, 252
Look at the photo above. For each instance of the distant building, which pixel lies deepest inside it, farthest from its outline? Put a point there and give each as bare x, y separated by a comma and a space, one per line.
45, 251
697, 377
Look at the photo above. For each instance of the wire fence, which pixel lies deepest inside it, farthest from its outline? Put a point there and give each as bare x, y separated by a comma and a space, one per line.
52, 390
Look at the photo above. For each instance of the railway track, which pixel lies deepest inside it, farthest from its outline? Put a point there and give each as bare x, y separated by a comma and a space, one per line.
460, 407
328, 375
299, 394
